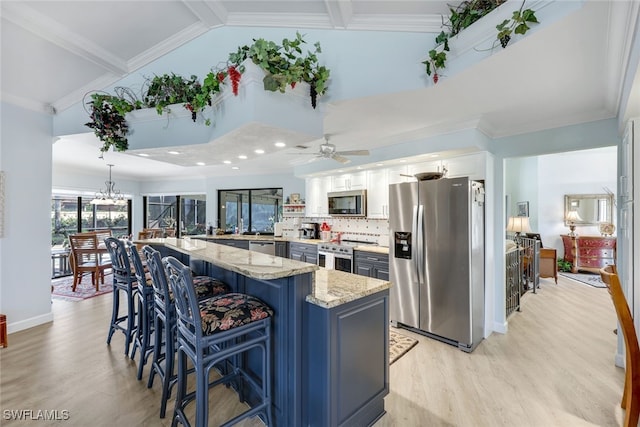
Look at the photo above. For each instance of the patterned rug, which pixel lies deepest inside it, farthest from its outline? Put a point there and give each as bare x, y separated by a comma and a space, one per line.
84, 290
399, 345
589, 279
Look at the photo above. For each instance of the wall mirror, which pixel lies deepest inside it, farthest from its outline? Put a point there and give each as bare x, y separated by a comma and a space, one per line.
592, 208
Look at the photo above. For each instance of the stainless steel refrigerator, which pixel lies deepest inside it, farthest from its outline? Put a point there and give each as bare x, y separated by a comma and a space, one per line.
436, 257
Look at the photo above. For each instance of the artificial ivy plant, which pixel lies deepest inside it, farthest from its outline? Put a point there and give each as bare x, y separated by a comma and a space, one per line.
466, 14
285, 65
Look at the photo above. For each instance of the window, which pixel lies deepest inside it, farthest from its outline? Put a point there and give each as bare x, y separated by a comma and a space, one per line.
163, 212
72, 214
250, 211
193, 214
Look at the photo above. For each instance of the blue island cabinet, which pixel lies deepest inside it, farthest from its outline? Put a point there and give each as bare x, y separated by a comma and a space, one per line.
347, 362
330, 354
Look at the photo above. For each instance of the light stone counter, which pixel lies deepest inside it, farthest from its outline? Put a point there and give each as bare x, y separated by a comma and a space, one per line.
332, 288
373, 248
248, 263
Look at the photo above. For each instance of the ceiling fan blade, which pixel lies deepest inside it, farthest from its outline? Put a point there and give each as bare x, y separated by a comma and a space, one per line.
339, 158
353, 153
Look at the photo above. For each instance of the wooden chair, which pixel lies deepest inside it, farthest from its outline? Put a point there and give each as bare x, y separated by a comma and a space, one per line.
85, 258
631, 394
549, 263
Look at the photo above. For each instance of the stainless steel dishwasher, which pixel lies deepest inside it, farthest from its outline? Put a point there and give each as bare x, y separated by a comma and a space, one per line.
263, 247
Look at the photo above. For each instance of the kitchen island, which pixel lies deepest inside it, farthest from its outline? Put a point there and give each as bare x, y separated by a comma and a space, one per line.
330, 331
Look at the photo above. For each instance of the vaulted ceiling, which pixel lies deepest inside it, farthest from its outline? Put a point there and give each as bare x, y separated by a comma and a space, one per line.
54, 52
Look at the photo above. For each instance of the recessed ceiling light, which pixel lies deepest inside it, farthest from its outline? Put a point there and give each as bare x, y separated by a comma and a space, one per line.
242, 156
143, 155
227, 162
259, 151
280, 144
235, 167
435, 155
379, 164
173, 152
359, 167
200, 163
403, 161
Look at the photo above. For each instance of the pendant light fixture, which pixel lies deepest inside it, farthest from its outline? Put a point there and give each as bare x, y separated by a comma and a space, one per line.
110, 196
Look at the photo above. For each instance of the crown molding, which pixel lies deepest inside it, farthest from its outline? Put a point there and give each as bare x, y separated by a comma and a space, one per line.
43, 26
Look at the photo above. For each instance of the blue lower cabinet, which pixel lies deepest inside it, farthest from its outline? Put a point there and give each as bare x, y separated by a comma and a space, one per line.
347, 362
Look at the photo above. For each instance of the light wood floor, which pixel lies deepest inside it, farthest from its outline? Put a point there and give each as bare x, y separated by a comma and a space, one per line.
554, 368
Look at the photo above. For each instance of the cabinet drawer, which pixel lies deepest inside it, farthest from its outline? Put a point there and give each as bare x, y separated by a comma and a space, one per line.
595, 262
597, 253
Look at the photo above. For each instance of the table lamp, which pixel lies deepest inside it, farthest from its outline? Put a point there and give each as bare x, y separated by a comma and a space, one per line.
518, 225
571, 218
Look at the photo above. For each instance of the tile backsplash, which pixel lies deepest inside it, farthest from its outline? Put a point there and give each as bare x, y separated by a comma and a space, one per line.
352, 228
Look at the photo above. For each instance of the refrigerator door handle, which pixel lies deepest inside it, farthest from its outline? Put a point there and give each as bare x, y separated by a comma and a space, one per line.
414, 241
420, 244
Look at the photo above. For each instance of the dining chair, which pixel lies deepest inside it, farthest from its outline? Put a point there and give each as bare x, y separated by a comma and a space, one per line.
631, 392
85, 259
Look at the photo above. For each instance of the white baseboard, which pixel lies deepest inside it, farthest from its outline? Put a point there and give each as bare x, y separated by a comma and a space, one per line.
620, 360
29, 323
501, 328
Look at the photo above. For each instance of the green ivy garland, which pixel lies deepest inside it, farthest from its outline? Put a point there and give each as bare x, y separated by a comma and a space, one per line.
284, 65
466, 14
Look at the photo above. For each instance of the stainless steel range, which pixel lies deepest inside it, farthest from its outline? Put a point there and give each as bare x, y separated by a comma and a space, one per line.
338, 256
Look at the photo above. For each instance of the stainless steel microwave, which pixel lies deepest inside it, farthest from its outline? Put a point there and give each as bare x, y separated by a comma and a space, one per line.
348, 203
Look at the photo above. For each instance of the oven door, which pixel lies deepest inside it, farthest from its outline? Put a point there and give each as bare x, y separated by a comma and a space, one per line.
343, 263
325, 260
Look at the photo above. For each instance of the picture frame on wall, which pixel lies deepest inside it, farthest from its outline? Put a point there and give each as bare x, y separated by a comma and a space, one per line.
523, 208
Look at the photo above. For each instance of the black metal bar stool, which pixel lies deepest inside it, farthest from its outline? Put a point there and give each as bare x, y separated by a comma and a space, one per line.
123, 281
165, 320
211, 333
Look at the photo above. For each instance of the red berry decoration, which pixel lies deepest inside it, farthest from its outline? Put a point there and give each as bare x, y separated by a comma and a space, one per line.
293, 85
234, 75
220, 76
436, 77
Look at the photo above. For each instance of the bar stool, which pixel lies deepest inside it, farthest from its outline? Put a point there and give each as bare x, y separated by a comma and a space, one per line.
142, 339
123, 281
213, 332
165, 320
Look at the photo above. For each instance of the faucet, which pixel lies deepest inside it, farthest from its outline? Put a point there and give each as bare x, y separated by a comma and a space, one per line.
257, 233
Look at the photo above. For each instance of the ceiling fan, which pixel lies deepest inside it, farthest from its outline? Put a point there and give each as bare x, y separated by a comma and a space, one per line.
328, 151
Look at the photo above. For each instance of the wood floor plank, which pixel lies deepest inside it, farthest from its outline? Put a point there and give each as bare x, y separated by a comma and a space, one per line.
553, 368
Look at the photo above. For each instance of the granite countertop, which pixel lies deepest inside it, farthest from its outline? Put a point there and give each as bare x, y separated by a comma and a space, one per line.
332, 288
248, 263
373, 248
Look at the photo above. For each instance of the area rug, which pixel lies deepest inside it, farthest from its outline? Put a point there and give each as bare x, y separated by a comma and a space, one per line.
589, 279
84, 290
399, 345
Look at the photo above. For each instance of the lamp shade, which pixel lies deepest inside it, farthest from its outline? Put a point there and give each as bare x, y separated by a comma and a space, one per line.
572, 216
519, 224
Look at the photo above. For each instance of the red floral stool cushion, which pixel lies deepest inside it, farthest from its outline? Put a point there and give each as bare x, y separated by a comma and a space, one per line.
207, 287
230, 311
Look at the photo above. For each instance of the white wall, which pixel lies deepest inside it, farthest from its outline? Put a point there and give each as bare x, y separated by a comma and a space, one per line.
544, 180
25, 257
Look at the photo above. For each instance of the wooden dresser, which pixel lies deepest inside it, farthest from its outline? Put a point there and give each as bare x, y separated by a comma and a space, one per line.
589, 253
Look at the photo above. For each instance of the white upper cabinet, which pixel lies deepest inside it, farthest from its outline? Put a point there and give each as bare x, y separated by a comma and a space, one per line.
471, 165
398, 174
430, 166
316, 191
349, 181
378, 193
